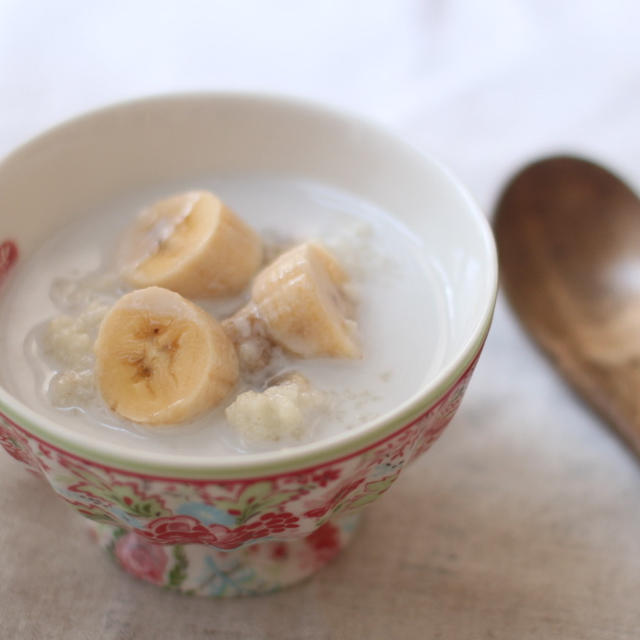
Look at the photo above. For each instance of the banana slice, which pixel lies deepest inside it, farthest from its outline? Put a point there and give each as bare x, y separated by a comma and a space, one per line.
191, 243
301, 299
161, 359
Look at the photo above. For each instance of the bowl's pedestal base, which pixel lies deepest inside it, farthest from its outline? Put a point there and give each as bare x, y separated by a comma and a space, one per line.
196, 569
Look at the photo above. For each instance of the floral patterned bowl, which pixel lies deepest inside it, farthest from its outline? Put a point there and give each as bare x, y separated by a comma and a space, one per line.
253, 523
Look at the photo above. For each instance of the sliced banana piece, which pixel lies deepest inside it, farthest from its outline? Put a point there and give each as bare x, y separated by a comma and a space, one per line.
301, 299
161, 359
191, 243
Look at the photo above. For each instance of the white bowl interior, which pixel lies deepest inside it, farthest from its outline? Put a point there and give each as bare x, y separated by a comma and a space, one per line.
81, 164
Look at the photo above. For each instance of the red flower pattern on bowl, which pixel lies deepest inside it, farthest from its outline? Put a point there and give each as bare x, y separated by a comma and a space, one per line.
8, 258
178, 530
141, 559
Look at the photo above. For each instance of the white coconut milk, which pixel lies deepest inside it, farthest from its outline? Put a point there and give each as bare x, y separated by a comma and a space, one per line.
401, 312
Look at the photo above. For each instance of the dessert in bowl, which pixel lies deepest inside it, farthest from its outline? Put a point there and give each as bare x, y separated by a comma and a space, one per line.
221, 504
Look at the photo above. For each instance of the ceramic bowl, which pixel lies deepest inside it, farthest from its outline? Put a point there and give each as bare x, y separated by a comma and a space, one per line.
253, 523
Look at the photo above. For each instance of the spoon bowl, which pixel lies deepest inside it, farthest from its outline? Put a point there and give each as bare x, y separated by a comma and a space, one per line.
568, 236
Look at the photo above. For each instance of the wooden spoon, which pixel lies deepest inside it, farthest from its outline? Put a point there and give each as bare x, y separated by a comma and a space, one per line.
568, 235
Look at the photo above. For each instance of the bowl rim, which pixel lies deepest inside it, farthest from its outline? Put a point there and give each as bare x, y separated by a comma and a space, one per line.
331, 448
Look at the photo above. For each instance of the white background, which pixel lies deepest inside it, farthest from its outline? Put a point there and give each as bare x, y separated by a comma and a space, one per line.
481, 84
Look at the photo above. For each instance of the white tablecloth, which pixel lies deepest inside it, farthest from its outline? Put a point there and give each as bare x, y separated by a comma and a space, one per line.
524, 519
